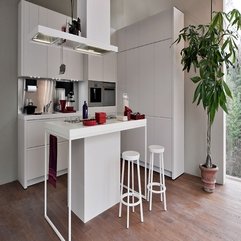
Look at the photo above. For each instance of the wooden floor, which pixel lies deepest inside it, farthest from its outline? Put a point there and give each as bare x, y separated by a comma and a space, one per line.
192, 215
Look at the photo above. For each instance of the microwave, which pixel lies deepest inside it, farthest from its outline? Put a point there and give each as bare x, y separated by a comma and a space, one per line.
101, 93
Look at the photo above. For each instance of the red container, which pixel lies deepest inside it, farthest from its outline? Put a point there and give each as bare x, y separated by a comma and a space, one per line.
100, 117
89, 122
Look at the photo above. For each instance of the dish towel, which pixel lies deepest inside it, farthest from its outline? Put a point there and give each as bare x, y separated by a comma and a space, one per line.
52, 160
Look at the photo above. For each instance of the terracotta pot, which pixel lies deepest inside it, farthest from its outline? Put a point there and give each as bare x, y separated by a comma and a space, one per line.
208, 176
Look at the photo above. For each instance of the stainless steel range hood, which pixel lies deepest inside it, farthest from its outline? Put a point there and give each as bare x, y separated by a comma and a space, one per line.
45, 35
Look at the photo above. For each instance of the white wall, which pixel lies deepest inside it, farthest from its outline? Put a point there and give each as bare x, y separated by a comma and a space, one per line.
126, 12
8, 90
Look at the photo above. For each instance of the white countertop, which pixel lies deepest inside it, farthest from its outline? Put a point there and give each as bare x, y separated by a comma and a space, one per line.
49, 116
75, 131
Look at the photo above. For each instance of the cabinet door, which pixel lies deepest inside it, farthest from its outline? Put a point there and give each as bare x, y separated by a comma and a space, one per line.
35, 162
146, 80
35, 133
132, 78
109, 67
63, 155
95, 68
74, 65
163, 137
121, 80
163, 79
34, 55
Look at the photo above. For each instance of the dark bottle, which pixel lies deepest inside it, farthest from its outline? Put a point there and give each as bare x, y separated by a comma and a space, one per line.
85, 110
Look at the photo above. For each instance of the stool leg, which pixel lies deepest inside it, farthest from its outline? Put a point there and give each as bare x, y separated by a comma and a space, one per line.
150, 203
161, 170
163, 182
132, 181
122, 183
139, 187
128, 196
149, 179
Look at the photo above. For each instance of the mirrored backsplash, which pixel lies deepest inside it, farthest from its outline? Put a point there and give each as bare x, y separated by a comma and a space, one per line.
45, 95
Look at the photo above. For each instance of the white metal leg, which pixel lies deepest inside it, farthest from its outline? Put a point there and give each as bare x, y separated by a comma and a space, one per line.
132, 181
45, 172
161, 176
69, 189
45, 191
163, 183
150, 203
139, 187
128, 197
122, 181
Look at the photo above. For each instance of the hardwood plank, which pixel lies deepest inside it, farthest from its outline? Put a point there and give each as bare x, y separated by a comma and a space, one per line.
191, 215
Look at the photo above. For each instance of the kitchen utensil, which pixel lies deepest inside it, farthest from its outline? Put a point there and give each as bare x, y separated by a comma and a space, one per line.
62, 67
62, 105
30, 109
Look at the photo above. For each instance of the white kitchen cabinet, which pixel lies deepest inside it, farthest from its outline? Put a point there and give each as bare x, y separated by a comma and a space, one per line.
101, 68
32, 56
31, 151
95, 68
146, 80
121, 83
109, 67
162, 101
150, 71
35, 161
39, 60
133, 76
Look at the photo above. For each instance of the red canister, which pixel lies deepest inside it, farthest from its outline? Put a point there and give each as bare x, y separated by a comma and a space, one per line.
100, 117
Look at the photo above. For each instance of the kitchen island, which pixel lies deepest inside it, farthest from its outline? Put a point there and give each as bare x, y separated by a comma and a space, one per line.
93, 166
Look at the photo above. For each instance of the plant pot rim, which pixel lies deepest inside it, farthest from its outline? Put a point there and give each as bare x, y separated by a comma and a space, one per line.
202, 166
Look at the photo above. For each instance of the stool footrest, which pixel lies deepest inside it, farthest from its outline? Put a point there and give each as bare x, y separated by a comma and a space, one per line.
131, 194
156, 184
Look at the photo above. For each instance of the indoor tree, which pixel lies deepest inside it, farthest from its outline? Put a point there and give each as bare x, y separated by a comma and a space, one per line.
210, 48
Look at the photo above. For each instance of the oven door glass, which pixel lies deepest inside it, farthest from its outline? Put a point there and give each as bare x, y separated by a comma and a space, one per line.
95, 95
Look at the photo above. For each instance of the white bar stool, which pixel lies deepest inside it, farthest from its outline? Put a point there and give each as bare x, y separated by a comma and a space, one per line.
130, 157
156, 149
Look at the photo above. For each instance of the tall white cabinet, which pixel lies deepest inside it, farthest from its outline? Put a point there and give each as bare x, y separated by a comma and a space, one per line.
149, 70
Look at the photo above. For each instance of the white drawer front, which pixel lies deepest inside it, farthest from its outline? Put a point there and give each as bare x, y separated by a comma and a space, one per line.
35, 160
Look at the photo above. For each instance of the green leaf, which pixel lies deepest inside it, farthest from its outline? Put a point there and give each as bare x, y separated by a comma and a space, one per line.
226, 88
195, 79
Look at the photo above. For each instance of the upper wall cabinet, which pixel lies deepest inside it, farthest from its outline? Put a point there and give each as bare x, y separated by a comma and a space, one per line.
101, 68
40, 60
32, 57
153, 29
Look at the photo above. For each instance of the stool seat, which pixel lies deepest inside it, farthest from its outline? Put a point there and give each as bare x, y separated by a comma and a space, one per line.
132, 157
156, 149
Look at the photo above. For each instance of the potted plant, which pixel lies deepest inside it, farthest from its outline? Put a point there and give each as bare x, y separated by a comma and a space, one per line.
209, 49
74, 26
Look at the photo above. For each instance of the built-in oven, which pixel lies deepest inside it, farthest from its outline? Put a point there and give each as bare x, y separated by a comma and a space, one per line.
101, 93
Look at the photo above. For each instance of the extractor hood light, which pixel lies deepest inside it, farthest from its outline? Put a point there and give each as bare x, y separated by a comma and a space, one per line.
41, 38
87, 50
